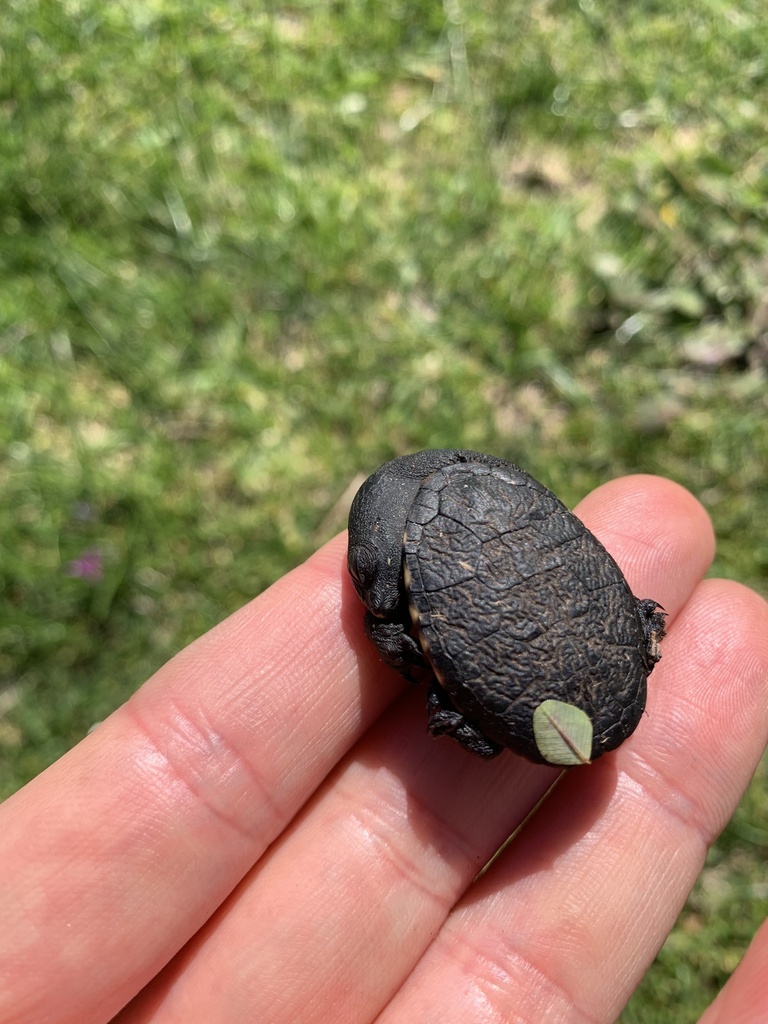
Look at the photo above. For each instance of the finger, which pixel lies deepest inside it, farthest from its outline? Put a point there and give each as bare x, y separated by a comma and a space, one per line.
631, 518
744, 998
340, 909
123, 849
328, 927
565, 923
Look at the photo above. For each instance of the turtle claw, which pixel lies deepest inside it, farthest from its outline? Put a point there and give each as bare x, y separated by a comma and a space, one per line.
397, 647
445, 720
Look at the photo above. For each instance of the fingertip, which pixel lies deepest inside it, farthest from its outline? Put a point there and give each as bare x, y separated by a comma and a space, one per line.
724, 631
329, 561
658, 532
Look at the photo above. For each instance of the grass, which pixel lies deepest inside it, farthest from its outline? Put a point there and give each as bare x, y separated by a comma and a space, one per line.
250, 251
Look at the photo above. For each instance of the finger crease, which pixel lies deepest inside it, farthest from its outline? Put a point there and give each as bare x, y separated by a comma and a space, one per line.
507, 974
417, 871
674, 803
200, 758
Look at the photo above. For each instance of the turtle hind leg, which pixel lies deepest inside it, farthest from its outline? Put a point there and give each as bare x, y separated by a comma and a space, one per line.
445, 720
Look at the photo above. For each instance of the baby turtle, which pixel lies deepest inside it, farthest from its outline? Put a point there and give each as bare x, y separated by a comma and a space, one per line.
475, 573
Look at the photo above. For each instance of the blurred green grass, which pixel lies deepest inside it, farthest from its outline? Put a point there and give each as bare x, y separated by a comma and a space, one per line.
249, 251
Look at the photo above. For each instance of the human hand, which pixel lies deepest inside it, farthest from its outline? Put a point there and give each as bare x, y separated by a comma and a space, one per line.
265, 831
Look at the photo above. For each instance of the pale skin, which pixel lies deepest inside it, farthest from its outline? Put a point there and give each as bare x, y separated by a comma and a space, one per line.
266, 832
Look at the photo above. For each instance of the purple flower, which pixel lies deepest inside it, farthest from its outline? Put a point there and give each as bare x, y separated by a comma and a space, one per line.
89, 566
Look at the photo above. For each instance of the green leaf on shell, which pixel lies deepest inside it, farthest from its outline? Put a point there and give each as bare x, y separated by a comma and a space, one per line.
563, 733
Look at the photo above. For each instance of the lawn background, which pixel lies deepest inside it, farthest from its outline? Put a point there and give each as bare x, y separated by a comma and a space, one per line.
250, 251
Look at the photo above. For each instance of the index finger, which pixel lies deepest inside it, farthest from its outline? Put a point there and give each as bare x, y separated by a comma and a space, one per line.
121, 850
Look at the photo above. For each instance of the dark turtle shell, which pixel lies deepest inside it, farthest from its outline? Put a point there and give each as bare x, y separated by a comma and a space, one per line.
517, 603
473, 572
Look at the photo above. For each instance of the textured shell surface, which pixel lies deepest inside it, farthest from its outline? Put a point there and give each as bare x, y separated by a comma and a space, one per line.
516, 603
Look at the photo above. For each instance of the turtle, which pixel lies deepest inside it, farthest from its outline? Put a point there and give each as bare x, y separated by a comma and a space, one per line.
477, 580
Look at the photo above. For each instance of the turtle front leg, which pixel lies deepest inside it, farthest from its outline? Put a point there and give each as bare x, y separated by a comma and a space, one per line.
445, 720
395, 645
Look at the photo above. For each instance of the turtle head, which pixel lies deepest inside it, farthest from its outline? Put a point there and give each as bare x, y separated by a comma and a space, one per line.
376, 526
375, 556
376, 570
